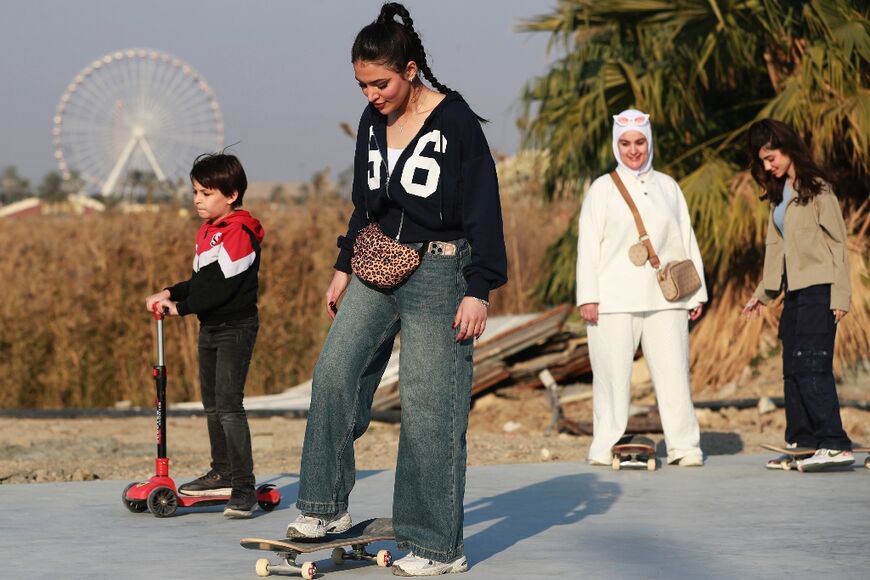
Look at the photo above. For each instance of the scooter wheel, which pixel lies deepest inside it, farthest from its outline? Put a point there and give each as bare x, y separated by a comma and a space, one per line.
137, 506
162, 502
265, 504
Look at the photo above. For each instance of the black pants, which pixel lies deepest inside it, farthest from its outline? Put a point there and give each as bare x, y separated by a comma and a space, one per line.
224, 357
812, 409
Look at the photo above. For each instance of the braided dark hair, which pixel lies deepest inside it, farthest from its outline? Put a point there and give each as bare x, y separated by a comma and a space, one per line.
394, 44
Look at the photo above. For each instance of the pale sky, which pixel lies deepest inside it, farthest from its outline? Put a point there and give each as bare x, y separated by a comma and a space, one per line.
280, 69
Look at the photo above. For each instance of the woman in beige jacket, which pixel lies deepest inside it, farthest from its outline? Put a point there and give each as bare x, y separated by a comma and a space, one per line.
805, 256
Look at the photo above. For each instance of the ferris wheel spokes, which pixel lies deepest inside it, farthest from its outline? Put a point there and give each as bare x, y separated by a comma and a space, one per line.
136, 139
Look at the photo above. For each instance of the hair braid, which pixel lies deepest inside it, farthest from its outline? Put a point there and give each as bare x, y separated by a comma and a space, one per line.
422, 64
388, 13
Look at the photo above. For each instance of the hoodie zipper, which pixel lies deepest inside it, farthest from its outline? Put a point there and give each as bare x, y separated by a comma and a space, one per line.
387, 189
389, 175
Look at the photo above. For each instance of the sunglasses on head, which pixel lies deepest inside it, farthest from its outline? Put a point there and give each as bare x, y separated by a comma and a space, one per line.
624, 121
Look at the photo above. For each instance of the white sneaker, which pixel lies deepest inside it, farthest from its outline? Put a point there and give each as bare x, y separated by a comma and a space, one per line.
315, 527
825, 458
412, 565
691, 461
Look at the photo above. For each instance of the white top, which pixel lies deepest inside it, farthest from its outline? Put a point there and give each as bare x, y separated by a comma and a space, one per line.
605, 275
392, 157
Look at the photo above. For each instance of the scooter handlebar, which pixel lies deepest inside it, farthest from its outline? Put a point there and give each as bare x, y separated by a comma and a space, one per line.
158, 313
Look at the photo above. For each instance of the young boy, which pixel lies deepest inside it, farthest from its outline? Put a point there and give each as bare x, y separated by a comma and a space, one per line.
222, 292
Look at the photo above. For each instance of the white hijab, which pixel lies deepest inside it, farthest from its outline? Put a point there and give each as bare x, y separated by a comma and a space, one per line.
645, 129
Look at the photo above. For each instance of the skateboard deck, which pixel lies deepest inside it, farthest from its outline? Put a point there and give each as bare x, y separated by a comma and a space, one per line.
799, 452
636, 452
357, 538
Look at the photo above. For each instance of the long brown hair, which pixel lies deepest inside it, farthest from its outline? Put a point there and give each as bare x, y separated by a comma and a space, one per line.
772, 134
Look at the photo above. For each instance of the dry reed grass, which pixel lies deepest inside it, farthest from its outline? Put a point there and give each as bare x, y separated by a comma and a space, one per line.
74, 331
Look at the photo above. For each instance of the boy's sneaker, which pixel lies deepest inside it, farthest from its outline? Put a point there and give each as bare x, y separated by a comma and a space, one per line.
413, 565
212, 483
824, 458
242, 503
318, 526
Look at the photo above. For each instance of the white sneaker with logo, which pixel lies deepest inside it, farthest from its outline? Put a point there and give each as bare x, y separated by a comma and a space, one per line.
316, 527
824, 458
413, 565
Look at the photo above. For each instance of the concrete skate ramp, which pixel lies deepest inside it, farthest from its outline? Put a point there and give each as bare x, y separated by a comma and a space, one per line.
729, 519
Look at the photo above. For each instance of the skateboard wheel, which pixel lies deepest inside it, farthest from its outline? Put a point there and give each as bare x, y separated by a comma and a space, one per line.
651, 464
615, 463
136, 506
867, 462
384, 558
338, 555
786, 465
262, 567
162, 502
309, 570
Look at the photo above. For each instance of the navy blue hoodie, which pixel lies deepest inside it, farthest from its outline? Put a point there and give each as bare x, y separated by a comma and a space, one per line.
445, 181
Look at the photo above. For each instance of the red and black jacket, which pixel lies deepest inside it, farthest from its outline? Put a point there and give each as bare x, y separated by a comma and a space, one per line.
224, 283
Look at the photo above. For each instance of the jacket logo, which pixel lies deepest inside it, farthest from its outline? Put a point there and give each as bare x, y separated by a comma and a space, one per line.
215, 239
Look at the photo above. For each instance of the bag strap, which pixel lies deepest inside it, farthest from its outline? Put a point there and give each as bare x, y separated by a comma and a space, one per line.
641, 230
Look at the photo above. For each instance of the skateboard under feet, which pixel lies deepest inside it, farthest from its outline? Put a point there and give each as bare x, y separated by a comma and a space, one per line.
356, 539
794, 454
635, 452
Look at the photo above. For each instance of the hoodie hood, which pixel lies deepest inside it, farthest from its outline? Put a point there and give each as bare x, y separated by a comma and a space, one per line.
244, 218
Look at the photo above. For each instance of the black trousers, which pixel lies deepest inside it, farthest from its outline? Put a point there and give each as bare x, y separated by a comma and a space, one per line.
812, 408
224, 357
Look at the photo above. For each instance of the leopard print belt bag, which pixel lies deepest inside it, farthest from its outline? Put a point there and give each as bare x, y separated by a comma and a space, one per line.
381, 262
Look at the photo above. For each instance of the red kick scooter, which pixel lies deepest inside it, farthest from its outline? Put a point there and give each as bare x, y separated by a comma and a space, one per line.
159, 494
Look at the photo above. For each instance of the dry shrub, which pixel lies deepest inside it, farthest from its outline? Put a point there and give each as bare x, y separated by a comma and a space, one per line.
73, 327
75, 332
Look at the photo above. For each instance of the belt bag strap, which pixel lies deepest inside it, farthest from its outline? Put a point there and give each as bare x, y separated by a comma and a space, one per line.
641, 230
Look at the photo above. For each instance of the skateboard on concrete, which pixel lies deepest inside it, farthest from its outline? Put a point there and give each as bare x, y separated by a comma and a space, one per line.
800, 452
356, 538
635, 452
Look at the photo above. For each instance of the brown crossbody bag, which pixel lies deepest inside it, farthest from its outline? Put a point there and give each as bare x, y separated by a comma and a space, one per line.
677, 279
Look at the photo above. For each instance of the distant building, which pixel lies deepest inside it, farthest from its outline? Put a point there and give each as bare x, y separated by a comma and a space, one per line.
74, 205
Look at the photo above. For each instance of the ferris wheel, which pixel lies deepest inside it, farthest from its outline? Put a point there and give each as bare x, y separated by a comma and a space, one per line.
135, 110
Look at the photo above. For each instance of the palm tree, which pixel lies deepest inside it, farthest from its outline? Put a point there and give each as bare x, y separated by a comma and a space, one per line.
704, 70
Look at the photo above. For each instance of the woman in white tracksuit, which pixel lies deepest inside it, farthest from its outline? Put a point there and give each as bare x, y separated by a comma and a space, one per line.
622, 303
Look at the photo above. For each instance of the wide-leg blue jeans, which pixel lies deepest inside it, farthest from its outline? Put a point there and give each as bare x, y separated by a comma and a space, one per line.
435, 386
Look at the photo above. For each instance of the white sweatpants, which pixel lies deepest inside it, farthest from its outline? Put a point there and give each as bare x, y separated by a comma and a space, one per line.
664, 337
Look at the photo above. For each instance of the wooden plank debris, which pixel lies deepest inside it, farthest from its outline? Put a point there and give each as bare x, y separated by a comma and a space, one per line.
514, 357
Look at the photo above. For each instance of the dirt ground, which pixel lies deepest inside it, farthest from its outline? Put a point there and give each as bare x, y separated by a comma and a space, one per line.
506, 426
